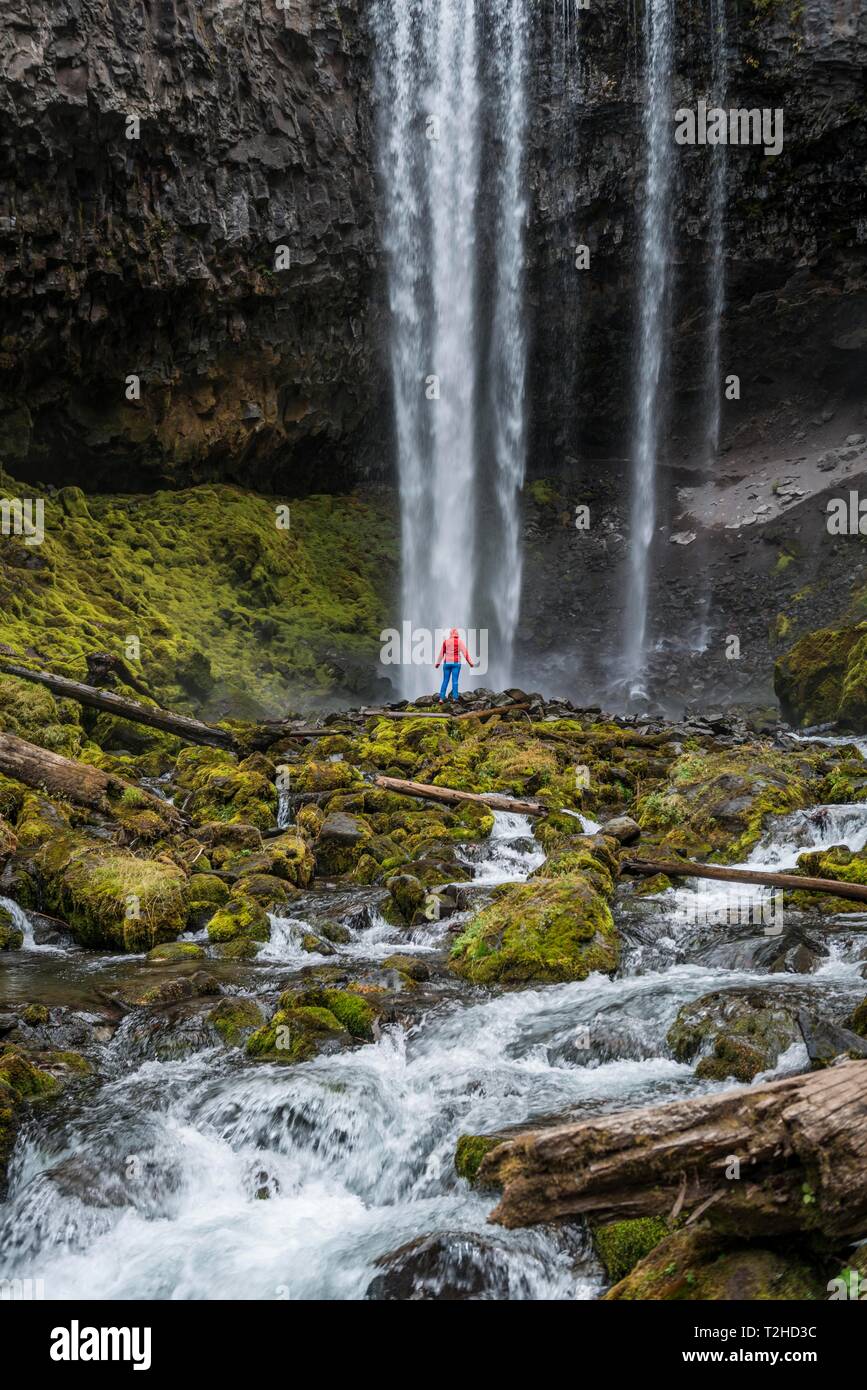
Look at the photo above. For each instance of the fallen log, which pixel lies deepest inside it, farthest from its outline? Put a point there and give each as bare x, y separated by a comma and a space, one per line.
440, 714
800, 1146
680, 868
73, 781
494, 800
181, 725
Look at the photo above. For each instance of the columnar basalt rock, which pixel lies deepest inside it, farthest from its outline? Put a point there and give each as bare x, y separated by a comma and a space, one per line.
154, 158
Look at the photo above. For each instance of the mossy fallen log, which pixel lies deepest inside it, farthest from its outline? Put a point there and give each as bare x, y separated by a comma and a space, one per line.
73, 781
787, 1157
181, 725
680, 868
494, 800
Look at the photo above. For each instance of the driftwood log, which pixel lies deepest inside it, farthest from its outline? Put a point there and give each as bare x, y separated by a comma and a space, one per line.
190, 730
70, 780
494, 800
787, 1156
679, 868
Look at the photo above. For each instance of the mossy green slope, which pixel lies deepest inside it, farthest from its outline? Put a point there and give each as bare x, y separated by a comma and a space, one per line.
209, 584
823, 678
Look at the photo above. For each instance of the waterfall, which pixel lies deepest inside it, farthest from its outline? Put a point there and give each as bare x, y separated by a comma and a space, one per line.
396, 27
444, 572
718, 203
654, 274
434, 64
508, 345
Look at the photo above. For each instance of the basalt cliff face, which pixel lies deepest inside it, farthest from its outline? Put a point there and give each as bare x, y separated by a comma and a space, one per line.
151, 249
155, 157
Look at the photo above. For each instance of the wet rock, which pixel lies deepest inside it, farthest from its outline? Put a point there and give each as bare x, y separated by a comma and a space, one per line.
734, 1033
167, 1034
413, 966
235, 1019
546, 932
695, 1265
825, 1040
623, 829
334, 932
11, 935
793, 953
172, 951
446, 1267
408, 895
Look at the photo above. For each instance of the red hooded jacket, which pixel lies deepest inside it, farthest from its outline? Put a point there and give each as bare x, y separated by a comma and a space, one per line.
452, 650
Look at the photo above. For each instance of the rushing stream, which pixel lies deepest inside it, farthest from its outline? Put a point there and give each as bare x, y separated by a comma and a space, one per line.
206, 1175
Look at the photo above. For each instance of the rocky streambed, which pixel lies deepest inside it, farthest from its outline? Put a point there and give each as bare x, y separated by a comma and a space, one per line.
253, 1060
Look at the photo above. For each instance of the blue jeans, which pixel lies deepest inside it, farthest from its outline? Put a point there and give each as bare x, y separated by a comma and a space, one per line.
451, 670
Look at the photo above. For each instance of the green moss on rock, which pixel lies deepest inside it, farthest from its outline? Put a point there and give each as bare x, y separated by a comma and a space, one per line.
621, 1244
689, 1266
546, 932
171, 951
240, 917
110, 897
469, 1152
824, 678
11, 936
235, 1019
296, 1035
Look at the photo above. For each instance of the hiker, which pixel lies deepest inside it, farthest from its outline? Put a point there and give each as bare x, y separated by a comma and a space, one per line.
450, 655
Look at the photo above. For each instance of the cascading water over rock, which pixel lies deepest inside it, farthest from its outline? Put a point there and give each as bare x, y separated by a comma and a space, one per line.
436, 64
652, 315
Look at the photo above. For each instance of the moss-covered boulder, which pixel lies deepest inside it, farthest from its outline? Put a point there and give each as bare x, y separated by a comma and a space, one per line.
341, 841
110, 897
351, 1008
235, 1020
691, 1266
267, 890
716, 804
857, 1020
408, 895
539, 932
8, 842
11, 936
171, 952
734, 1033
222, 789
239, 917
621, 1244
297, 1035
469, 1152
29, 1077
324, 776
823, 678
207, 889
841, 865
287, 856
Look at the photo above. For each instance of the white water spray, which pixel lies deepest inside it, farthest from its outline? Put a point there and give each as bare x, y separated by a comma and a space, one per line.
433, 67
655, 258
508, 349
